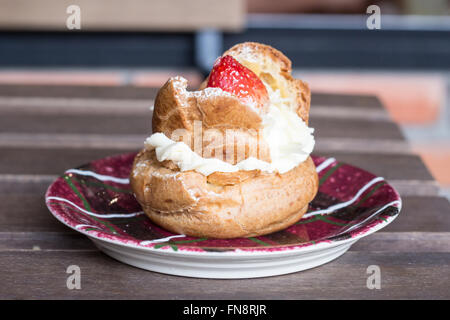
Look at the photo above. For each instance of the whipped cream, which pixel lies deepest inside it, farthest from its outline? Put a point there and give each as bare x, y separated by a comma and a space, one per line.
186, 159
290, 140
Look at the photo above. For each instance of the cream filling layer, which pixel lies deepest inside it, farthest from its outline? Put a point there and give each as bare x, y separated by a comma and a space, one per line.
290, 142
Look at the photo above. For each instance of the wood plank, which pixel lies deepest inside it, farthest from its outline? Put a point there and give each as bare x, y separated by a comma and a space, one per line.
48, 161
36, 161
25, 183
114, 123
403, 276
132, 92
72, 141
345, 112
380, 242
44, 241
84, 106
356, 145
349, 128
343, 100
407, 173
112, 15
23, 209
404, 242
422, 214
416, 187
61, 123
28, 212
121, 142
66, 91
89, 106
391, 167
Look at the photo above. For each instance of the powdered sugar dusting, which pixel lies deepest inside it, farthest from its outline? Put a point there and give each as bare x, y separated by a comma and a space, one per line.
180, 84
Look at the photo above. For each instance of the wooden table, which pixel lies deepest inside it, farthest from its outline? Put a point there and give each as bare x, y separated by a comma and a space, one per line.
46, 130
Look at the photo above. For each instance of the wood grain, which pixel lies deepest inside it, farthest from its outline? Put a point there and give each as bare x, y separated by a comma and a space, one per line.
112, 15
71, 242
64, 105
391, 167
48, 161
345, 112
135, 141
416, 187
343, 100
27, 212
422, 214
45, 241
68, 91
36, 161
132, 92
349, 128
24, 209
45, 130
403, 276
404, 241
114, 123
88, 106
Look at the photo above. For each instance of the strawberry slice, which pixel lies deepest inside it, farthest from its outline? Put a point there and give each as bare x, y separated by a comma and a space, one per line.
233, 77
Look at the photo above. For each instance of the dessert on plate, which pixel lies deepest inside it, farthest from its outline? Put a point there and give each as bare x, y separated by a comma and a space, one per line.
230, 159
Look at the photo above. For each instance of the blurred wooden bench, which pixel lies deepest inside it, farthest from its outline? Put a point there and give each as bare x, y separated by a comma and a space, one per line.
206, 18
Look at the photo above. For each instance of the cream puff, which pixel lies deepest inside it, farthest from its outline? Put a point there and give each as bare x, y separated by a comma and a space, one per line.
232, 158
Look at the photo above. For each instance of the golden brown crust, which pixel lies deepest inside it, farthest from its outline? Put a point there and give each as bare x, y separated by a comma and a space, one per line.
231, 178
185, 203
176, 108
257, 50
273, 67
177, 112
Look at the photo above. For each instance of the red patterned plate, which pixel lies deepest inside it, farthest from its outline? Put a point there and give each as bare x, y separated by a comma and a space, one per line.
95, 199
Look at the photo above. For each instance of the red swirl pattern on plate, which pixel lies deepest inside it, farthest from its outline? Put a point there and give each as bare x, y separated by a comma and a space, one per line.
95, 199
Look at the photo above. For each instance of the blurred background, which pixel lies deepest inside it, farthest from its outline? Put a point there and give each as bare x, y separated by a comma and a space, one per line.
406, 62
